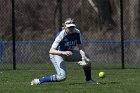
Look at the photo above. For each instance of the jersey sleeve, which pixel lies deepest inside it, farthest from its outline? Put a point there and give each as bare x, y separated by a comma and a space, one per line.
57, 40
79, 40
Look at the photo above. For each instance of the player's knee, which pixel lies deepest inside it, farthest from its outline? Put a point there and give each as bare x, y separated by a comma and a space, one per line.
61, 77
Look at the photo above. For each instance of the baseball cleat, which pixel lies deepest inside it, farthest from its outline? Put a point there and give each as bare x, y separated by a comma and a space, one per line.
35, 82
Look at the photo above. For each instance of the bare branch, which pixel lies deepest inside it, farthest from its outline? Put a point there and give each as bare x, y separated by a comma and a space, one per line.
93, 5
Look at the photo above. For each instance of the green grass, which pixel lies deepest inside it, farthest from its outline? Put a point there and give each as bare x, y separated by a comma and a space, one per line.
116, 80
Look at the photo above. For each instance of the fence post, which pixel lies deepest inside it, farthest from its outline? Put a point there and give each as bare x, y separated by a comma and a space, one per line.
122, 33
1, 51
13, 34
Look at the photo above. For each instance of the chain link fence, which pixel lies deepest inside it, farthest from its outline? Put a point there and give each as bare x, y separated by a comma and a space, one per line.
37, 21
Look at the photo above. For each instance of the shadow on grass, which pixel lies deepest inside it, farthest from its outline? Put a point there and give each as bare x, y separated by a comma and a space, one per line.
76, 83
100, 83
112, 82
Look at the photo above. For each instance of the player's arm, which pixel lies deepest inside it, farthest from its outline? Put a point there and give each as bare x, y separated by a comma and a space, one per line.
54, 51
85, 60
57, 52
82, 50
83, 53
55, 44
80, 46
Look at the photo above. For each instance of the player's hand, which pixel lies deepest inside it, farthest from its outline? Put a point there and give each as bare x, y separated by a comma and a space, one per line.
67, 53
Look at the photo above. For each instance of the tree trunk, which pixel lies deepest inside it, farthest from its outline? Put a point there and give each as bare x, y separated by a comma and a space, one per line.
58, 16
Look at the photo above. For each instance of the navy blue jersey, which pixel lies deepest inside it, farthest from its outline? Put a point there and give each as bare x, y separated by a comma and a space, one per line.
65, 41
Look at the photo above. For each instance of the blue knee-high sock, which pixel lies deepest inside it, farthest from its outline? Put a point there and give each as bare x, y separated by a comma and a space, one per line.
87, 72
51, 78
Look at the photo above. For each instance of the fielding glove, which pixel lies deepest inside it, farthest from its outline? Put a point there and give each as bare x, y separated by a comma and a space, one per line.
84, 62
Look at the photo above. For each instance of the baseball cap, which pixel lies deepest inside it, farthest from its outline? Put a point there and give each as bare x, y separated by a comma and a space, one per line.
70, 23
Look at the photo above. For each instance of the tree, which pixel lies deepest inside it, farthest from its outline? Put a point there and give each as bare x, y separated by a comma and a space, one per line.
105, 14
58, 16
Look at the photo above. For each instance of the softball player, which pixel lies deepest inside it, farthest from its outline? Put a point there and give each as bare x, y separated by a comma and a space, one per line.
63, 50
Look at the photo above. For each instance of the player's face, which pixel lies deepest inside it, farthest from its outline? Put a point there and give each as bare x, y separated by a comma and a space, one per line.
70, 29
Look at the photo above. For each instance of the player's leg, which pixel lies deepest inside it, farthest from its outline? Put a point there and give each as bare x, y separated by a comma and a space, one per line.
60, 68
75, 57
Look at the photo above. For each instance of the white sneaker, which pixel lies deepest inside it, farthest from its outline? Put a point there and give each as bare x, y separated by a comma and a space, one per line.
35, 82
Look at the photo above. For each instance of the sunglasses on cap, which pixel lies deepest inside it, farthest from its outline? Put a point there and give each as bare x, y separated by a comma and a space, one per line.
70, 22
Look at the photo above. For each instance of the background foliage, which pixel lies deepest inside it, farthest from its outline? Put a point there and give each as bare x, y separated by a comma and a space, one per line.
37, 23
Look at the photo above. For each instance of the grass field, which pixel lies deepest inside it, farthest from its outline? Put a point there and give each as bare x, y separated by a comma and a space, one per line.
116, 80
